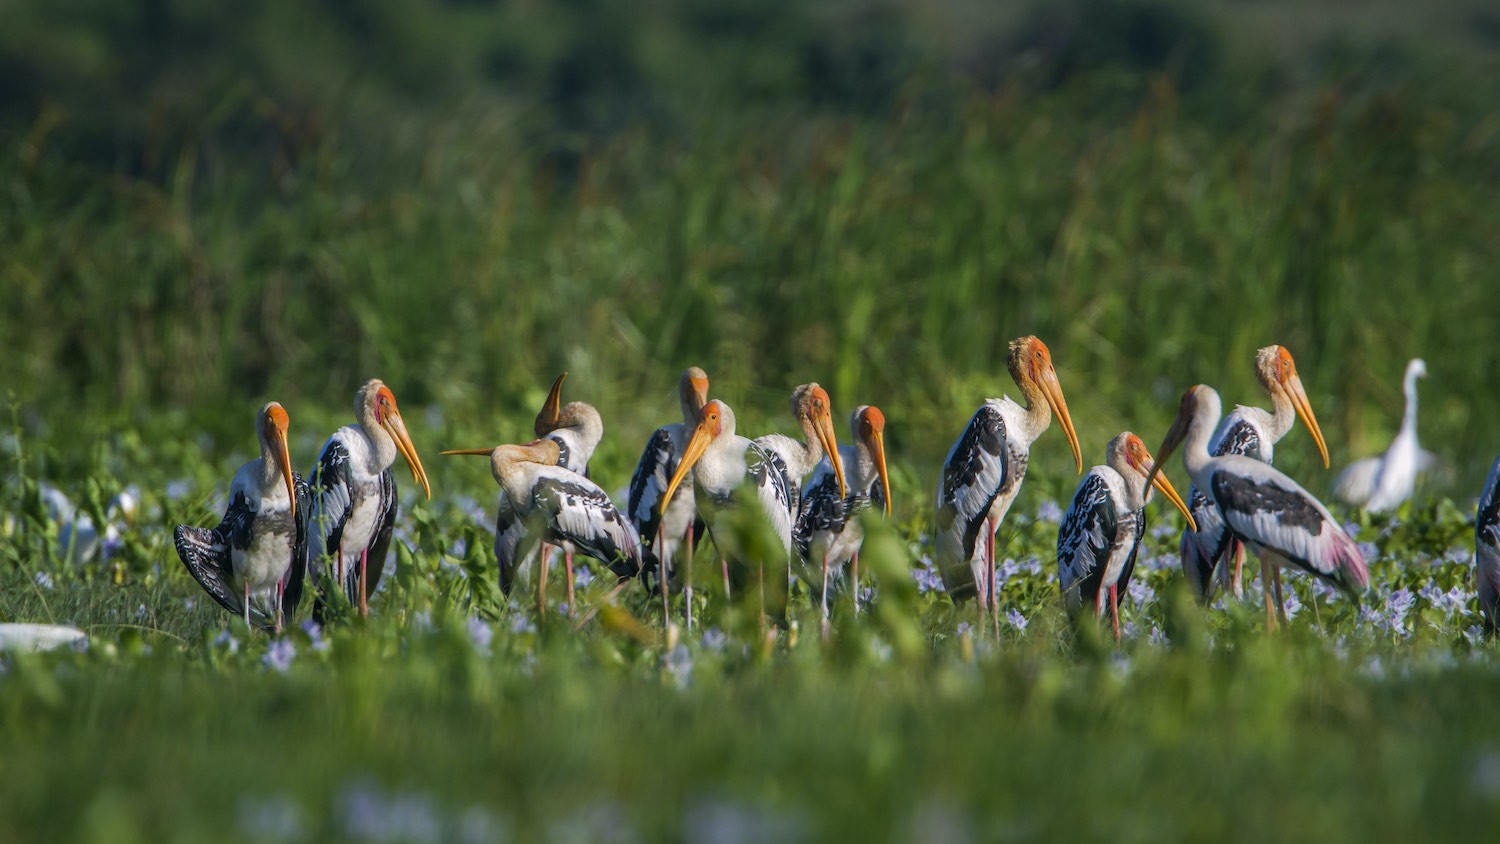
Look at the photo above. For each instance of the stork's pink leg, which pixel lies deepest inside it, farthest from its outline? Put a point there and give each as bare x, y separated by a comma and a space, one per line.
1265, 584
1114, 608
662, 565
568, 564
364, 600
1239, 565
825, 596
1280, 602
854, 577
687, 579
541, 589
989, 535
280, 586
724, 564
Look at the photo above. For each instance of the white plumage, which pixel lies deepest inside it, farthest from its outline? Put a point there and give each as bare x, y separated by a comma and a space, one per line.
1380, 484
663, 533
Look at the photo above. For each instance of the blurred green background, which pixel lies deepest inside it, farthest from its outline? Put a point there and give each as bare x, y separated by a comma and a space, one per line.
208, 205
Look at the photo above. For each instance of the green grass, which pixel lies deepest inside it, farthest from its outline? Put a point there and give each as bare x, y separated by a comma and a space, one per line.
465, 200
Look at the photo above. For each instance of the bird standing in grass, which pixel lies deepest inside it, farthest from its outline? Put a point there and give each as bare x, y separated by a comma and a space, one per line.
554, 505
1252, 432
1380, 484
1487, 549
984, 470
354, 495
253, 563
827, 533
1099, 537
1268, 511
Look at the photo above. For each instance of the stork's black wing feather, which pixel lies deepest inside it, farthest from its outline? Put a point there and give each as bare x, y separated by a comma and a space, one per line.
380, 544
977, 469
508, 534
205, 554
332, 499
1137, 523
652, 474
1084, 541
584, 515
1242, 438
291, 594
822, 510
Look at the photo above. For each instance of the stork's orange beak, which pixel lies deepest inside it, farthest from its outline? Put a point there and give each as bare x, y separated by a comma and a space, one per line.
1052, 391
546, 419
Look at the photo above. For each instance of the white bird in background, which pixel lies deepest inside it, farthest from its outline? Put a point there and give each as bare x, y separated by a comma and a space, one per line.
354, 495
985, 467
254, 561
663, 533
1487, 549
556, 505
1379, 484
827, 533
1252, 432
1099, 537
1268, 511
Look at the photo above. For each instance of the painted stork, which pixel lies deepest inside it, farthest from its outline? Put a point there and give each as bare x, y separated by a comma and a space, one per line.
721, 462
663, 533
1268, 511
354, 494
1487, 549
827, 533
577, 429
253, 563
1098, 539
555, 505
1379, 484
985, 467
1252, 432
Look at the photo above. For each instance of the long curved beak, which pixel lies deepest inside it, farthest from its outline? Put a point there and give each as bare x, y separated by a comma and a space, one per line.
696, 445
1304, 410
823, 429
546, 419
1052, 391
282, 453
1164, 486
878, 443
397, 430
1175, 435
482, 452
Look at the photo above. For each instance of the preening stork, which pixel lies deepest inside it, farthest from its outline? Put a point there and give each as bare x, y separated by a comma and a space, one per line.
985, 467
1251, 432
253, 563
1487, 550
1101, 533
354, 495
1379, 484
771, 467
1268, 511
663, 533
827, 533
576, 428
555, 505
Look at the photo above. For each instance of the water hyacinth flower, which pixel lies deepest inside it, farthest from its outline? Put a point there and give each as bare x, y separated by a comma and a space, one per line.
1140, 592
226, 640
1049, 511
522, 624
582, 575
1475, 634
965, 628
927, 577
480, 634
1369, 551
178, 489
279, 655
1016, 620
714, 639
368, 814
1452, 602
314, 632
679, 664
1292, 604
43, 580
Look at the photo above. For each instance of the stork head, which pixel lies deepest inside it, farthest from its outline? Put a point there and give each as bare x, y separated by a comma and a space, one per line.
273, 424
813, 411
1200, 405
1030, 364
1278, 374
1416, 368
868, 425
375, 405
714, 421
1128, 455
692, 391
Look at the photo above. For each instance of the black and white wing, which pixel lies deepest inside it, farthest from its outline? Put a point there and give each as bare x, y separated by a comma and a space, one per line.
1134, 525
296, 575
583, 514
331, 487
205, 553
1266, 508
1203, 548
1243, 437
509, 532
1487, 549
380, 543
974, 472
652, 474
1084, 540
774, 488
821, 511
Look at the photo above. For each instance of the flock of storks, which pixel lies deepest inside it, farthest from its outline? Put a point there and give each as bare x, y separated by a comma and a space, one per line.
777, 503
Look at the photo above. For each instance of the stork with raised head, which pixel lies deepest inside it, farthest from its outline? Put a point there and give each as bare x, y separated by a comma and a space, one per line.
663, 533
827, 533
558, 506
354, 495
1487, 549
1252, 432
1380, 484
253, 563
1099, 537
1275, 517
985, 467
722, 462
577, 429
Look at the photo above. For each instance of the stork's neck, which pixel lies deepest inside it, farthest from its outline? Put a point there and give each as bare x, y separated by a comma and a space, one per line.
1285, 415
272, 483
1195, 456
382, 447
1409, 420
1038, 412
859, 466
583, 418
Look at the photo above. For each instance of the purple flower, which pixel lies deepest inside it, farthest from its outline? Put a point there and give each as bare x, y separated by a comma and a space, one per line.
1293, 604
178, 489
522, 624
582, 575
1162, 530
1475, 634
480, 633
368, 814
459, 548
314, 632
1454, 601
225, 639
928, 578
1141, 592
1396, 607
1049, 511
1369, 551
1016, 620
965, 628
1158, 637
279, 655
43, 580
714, 639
